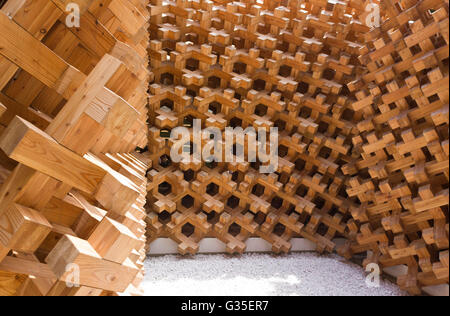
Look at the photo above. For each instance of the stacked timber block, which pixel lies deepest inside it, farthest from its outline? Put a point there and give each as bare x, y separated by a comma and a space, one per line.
362, 115
399, 171
73, 109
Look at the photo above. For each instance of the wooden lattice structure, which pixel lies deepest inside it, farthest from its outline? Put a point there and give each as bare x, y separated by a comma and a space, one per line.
400, 175
73, 110
362, 113
363, 116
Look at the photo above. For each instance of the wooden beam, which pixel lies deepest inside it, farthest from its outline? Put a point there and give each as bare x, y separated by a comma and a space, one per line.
27, 144
82, 4
84, 96
61, 289
23, 229
14, 108
29, 53
23, 266
113, 241
96, 272
2, 109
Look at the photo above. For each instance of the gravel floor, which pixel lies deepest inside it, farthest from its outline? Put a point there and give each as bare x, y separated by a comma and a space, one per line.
300, 274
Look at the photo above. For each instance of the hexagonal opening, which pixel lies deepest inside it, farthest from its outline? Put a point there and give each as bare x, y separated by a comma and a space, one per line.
291, 210
285, 71
211, 164
234, 229
188, 201
260, 218
261, 110
191, 93
281, 125
329, 74
212, 189
303, 87
167, 79
215, 108
235, 122
239, 68
325, 152
259, 85
348, 115
322, 229
189, 175
188, 230
300, 164
164, 217
192, 38
209, 160
277, 202
279, 229
165, 188
188, 121
302, 191
334, 210
305, 112
280, 177
233, 202
165, 161
258, 190
323, 127
319, 202
213, 217
165, 132
282, 151
166, 105
214, 82
255, 165
192, 64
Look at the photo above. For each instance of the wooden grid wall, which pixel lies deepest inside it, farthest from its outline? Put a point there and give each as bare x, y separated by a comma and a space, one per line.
363, 116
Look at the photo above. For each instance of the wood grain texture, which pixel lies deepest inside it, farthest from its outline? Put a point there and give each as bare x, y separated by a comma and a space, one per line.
22, 49
23, 229
27, 144
84, 89
98, 273
9, 283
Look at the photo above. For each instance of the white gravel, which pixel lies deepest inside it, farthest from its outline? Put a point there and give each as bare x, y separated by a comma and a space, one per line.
298, 274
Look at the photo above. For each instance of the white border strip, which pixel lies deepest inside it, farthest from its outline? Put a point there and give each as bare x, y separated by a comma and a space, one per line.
166, 246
